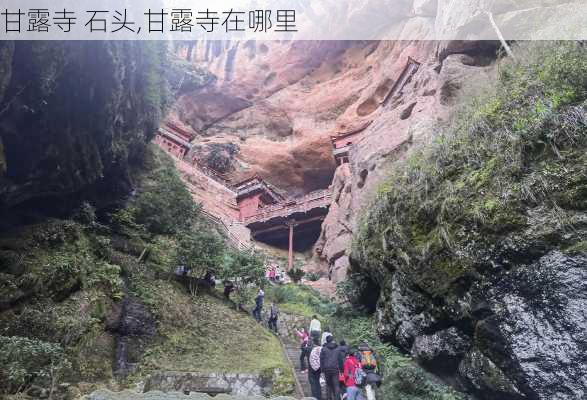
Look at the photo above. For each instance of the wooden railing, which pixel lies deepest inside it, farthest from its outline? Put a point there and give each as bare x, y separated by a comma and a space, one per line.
209, 173
317, 199
236, 241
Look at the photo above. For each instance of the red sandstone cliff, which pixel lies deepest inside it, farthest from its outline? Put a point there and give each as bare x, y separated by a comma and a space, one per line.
273, 107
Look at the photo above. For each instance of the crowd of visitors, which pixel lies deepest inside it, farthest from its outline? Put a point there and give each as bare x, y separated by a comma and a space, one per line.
344, 370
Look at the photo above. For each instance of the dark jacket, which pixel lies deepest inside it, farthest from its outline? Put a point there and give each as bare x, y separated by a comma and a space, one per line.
329, 358
259, 300
342, 356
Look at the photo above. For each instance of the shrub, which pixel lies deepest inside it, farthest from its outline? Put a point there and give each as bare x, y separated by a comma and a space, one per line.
283, 294
245, 270
313, 276
200, 250
164, 205
296, 274
85, 214
103, 276
26, 360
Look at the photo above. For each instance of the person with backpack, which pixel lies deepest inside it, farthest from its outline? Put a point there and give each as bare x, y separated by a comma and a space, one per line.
305, 348
259, 305
325, 335
368, 361
329, 366
314, 373
315, 330
273, 316
353, 375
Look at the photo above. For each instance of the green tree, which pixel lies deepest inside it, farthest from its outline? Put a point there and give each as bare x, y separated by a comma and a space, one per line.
201, 251
165, 206
246, 271
25, 360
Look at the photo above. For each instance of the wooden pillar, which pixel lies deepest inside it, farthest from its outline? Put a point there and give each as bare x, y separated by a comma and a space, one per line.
291, 225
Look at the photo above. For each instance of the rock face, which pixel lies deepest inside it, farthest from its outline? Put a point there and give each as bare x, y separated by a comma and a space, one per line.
258, 104
470, 268
280, 129
406, 119
134, 326
538, 325
74, 116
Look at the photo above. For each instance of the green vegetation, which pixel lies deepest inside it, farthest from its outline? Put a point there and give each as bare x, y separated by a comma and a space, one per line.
299, 300
63, 282
25, 359
296, 274
246, 271
206, 334
313, 276
403, 379
516, 145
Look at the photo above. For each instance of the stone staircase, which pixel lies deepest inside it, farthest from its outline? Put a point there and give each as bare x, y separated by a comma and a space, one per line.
218, 202
292, 350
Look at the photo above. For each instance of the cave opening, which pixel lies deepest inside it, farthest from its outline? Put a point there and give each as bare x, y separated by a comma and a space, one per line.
304, 237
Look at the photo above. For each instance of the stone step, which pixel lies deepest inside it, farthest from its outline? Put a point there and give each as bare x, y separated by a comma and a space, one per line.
293, 352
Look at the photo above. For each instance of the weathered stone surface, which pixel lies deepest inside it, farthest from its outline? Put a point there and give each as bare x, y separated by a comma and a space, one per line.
407, 120
236, 384
481, 375
444, 349
540, 323
158, 395
74, 117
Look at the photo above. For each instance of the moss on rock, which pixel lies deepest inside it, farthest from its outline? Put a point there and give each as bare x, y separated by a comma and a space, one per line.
503, 186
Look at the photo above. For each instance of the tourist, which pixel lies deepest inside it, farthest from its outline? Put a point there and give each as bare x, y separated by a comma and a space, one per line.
329, 366
314, 373
210, 279
342, 353
273, 316
325, 336
259, 305
305, 348
368, 362
181, 270
351, 365
228, 289
315, 330
268, 273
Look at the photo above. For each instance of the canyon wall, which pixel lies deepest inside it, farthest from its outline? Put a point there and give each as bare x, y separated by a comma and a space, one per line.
273, 107
74, 117
404, 114
473, 253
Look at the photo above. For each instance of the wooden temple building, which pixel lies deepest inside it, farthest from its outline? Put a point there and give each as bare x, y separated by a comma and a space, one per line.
275, 219
174, 140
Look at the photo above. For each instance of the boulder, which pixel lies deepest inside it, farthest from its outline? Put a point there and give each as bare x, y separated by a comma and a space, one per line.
441, 351
538, 330
482, 376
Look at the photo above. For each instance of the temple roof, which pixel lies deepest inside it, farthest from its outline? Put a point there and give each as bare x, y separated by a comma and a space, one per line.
256, 184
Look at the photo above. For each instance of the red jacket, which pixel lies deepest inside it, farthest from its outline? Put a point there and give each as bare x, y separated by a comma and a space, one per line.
350, 365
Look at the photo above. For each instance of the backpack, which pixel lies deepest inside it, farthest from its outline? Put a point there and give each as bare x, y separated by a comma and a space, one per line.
368, 360
360, 376
315, 358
